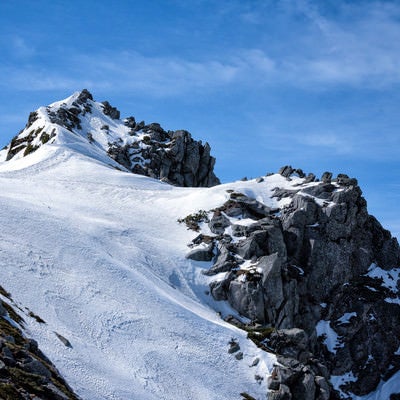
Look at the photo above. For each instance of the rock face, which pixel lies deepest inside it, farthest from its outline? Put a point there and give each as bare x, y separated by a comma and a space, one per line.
26, 373
172, 156
317, 267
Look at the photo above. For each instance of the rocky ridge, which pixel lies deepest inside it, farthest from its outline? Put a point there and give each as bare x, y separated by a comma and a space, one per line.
313, 277
25, 372
316, 278
146, 149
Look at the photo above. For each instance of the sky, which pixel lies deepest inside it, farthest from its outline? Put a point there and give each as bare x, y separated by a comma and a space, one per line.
313, 84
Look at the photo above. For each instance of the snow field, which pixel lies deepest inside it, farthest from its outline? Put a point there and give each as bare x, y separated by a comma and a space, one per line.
98, 254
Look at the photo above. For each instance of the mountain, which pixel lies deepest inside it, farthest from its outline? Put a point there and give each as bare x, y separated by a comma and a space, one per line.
141, 277
149, 150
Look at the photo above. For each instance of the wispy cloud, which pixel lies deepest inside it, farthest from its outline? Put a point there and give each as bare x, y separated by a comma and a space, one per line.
359, 52
21, 48
360, 47
334, 142
127, 71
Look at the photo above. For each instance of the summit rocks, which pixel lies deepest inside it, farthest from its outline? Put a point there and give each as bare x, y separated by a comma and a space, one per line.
318, 268
172, 156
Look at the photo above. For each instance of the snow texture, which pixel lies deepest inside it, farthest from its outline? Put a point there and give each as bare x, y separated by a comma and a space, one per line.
98, 254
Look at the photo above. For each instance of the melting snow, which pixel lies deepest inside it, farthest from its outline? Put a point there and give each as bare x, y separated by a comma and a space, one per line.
331, 340
345, 318
390, 278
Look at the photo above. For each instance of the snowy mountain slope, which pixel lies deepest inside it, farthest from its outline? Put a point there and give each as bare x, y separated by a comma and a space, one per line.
98, 254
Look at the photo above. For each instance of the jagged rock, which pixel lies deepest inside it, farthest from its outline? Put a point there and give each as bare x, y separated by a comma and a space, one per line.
300, 173
130, 122
281, 193
322, 191
56, 393
344, 180
8, 356
309, 178
289, 342
273, 383
218, 223
252, 208
33, 116
112, 112
36, 367
323, 392
247, 298
255, 362
182, 162
286, 171
326, 177
239, 230
317, 252
305, 388
253, 246
63, 340
84, 96
271, 267
239, 356
201, 253
3, 310
225, 261
283, 393
219, 289
233, 347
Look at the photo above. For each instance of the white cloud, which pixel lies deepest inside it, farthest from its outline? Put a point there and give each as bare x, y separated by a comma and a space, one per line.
332, 141
360, 51
21, 48
155, 76
360, 47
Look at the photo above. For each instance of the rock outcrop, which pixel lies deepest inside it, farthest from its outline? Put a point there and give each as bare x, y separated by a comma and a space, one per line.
25, 372
319, 268
146, 149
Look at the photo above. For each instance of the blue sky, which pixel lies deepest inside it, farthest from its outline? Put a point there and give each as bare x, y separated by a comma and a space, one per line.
314, 84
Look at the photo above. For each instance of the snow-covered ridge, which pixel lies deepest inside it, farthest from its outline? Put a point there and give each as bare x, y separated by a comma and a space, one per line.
96, 130
98, 254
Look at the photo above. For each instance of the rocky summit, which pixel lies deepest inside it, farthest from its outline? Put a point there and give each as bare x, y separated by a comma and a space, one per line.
146, 149
317, 278
139, 275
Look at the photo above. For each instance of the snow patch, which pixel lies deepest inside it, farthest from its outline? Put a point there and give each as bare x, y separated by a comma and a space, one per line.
331, 339
345, 318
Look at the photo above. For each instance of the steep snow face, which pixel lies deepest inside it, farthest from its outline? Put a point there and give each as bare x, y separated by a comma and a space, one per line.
98, 254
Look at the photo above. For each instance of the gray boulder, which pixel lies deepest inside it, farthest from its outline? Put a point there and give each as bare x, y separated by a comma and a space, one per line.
38, 368
112, 112
218, 223
225, 261
247, 298
204, 253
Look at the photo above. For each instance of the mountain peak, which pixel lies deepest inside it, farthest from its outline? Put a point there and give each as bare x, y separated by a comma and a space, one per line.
146, 149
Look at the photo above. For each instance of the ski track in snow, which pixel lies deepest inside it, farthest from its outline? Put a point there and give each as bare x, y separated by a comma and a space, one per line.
98, 255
